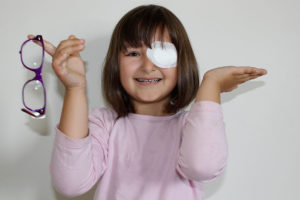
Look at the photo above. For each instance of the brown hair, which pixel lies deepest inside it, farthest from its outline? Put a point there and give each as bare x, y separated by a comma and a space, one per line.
135, 28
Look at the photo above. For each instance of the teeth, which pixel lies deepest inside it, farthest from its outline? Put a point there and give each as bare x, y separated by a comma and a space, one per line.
148, 81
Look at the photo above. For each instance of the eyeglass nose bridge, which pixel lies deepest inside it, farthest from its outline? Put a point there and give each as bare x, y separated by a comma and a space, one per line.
38, 74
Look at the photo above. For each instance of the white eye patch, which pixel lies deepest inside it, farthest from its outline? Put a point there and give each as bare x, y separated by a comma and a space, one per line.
163, 54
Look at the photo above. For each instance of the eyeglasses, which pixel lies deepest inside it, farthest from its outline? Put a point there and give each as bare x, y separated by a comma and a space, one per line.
34, 92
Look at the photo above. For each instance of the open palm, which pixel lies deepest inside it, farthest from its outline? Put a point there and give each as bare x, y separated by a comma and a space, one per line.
229, 77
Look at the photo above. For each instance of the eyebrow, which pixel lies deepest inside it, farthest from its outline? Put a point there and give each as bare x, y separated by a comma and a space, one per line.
128, 48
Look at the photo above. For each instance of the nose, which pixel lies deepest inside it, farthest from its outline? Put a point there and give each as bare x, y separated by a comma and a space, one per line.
147, 66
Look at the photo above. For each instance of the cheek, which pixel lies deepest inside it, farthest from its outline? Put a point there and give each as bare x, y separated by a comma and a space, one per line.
171, 74
127, 72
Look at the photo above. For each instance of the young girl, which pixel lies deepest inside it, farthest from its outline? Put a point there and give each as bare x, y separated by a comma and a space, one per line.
143, 145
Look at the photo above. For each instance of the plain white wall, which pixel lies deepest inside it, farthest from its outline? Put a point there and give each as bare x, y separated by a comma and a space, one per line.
261, 116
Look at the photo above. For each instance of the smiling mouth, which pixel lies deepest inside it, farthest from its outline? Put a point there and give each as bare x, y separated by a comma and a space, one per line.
148, 81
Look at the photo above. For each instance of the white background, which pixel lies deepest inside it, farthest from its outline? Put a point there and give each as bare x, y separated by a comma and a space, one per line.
261, 116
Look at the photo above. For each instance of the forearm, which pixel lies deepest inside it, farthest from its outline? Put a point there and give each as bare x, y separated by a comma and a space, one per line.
77, 164
208, 91
74, 116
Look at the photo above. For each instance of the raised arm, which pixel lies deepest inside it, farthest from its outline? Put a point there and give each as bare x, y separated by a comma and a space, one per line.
77, 160
70, 69
203, 151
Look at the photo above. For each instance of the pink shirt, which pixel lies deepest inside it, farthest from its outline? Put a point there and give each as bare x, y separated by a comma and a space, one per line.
143, 157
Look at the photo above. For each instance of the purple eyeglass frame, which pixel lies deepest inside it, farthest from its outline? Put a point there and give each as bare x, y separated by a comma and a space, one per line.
36, 113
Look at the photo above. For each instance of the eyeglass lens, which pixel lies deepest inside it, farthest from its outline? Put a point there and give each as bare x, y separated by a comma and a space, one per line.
34, 94
32, 55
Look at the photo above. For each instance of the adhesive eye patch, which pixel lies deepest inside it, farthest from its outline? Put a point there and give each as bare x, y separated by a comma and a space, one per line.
162, 54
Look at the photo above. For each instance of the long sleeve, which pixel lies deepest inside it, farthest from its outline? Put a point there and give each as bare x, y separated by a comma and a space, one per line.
203, 152
77, 164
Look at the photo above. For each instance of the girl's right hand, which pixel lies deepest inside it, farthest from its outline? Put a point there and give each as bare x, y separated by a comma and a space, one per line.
67, 62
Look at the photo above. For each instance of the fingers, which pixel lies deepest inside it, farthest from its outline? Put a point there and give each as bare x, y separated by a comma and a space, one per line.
64, 53
49, 48
246, 77
249, 70
243, 74
248, 73
70, 47
30, 36
71, 41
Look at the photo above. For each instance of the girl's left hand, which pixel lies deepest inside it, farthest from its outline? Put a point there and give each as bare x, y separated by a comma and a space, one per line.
228, 77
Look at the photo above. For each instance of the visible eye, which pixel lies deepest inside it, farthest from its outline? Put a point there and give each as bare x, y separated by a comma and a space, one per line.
132, 53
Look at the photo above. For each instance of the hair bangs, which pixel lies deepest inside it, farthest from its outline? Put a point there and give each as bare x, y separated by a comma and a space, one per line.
141, 29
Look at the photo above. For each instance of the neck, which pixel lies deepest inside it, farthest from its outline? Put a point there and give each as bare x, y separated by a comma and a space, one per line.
153, 108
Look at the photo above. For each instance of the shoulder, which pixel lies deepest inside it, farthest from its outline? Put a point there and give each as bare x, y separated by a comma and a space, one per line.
181, 116
103, 112
103, 116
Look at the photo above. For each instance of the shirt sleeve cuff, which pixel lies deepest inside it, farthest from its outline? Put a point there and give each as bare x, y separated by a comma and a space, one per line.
72, 143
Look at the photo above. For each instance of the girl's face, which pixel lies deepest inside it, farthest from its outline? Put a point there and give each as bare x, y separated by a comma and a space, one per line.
142, 80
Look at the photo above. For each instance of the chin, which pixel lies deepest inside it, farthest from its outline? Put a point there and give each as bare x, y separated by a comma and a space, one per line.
150, 99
